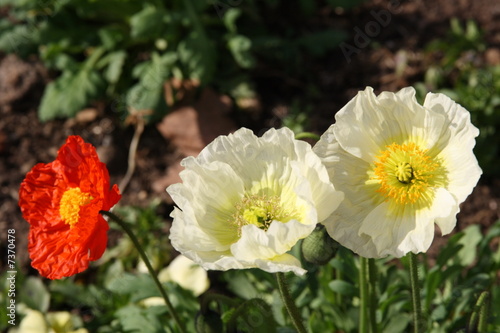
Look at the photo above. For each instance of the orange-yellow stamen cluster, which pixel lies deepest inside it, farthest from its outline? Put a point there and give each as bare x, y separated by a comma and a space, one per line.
69, 206
408, 174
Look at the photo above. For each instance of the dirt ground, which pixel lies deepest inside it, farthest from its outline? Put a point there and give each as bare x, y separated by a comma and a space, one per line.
24, 141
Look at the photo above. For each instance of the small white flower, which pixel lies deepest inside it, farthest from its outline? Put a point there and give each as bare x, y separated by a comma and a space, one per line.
402, 167
187, 274
246, 201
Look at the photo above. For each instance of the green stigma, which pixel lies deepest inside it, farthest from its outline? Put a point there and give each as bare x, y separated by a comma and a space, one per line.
404, 172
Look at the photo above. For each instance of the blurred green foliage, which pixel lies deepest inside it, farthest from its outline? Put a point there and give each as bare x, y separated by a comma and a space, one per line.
116, 299
462, 74
124, 50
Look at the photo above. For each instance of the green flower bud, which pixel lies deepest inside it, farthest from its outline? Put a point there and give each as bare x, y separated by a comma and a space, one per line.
318, 248
210, 322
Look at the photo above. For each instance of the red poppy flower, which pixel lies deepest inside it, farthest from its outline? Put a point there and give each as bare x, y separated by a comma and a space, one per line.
61, 200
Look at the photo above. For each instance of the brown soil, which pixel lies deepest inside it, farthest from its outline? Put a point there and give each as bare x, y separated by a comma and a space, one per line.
24, 141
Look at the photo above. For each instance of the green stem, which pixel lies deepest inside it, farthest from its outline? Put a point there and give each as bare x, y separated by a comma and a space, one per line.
415, 293
144, 257
479, 318
482, 326
363, 295
339, 276
372, 278
289, 304
307, 135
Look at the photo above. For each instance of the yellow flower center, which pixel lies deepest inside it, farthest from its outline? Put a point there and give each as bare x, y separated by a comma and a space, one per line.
69, 206
407, 174
261, 210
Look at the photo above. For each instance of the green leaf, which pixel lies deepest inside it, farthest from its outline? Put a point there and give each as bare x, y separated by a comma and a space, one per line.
240, 48
197, 54
148, 93
21, 39
230, 17
69, 93
239, 284
146, 97
115, 62
450, 250
148, 23
470, 240
343, 288
111, 36
139, 286
135, 319
398, 323
35, 295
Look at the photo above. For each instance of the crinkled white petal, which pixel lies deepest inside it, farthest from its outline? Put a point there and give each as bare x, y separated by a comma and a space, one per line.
463, 170
369, 123
458, 122
207, 194
256, 243
242, 165
349, 173
397, 233
284, 263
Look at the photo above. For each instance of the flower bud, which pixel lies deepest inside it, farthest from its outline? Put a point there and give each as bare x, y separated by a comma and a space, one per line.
318, 248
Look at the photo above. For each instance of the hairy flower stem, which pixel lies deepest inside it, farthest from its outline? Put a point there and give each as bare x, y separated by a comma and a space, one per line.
363, 295
144, 257
479, 318
289, 304
372, 278
415, 293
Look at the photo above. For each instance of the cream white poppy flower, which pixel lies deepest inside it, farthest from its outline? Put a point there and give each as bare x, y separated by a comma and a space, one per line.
402, 167
246, 201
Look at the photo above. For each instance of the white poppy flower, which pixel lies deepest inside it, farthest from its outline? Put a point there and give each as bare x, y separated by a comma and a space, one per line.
402, 167
246, 201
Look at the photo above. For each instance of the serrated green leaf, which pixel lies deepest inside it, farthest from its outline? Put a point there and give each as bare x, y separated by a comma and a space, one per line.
139, 286
148, 23
69, 93
115, 62
21, 39
197, 54
142, 97
240, 46
135, 319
